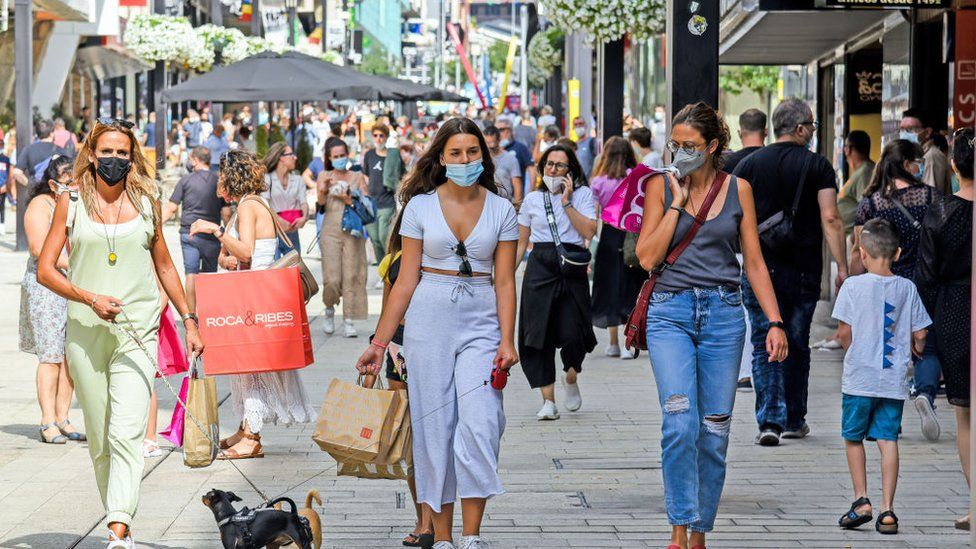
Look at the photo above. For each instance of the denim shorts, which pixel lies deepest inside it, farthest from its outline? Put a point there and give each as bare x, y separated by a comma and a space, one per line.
874, 418
199, 253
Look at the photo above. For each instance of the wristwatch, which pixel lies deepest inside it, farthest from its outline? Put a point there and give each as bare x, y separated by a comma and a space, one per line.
778, 324
220, 231
190, 316
568, 205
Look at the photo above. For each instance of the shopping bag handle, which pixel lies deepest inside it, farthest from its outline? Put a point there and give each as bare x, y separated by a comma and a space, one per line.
196, 367
377, 382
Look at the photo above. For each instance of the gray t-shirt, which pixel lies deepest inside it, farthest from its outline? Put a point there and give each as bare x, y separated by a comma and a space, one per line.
506, 168
525, 135
882, 312
283, 198
197, 192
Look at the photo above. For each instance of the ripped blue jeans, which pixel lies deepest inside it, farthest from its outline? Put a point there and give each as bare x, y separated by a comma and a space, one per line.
694, 340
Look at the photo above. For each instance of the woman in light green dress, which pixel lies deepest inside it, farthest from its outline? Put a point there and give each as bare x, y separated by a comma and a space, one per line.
117, 253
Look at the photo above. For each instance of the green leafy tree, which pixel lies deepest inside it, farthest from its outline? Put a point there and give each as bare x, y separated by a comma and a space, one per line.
762, 80
375, 61
303, 152
497, 54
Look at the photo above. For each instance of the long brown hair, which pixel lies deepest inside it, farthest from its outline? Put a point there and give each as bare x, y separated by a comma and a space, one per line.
891, 167
617, 157
428, 173
273, 156
710, 124
137, 184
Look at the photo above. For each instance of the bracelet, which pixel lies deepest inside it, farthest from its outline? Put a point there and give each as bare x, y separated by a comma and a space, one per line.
777, 324
378, 344
677, 209
94, 299
568, 205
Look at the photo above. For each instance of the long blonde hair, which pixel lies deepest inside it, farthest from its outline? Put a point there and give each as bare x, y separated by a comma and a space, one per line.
138, 183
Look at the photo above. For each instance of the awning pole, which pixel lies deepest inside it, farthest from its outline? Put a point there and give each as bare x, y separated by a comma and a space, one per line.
972, 385
24, 75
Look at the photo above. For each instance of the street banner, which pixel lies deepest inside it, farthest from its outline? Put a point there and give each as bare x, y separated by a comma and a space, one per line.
964, 77
452, 30
573, 103
509, 62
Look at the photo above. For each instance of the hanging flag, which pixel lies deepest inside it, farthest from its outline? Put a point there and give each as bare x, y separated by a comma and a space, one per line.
246, 10
452, 30
486, 73
509, 62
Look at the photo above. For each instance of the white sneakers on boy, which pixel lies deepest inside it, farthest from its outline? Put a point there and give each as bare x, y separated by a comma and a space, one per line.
328, 321
574, 400
930, 423
548, 411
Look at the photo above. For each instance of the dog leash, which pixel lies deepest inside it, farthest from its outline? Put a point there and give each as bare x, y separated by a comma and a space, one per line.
130, 333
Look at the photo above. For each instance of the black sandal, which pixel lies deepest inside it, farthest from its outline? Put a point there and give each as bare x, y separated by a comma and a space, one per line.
851, 519
883, 528
424, 541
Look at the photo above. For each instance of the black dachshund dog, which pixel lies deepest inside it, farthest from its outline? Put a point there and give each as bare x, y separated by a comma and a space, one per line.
264, 526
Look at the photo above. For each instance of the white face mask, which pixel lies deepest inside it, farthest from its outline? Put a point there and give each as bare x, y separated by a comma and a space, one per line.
544, 145
553, 182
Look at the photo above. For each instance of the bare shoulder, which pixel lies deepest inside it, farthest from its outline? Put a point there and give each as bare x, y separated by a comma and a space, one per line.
744, 186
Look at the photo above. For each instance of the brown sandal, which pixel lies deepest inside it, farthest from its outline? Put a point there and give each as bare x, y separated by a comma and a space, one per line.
230, 453
224, 444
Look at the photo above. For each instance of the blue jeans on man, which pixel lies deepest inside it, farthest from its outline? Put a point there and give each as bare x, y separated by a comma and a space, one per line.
781, 388
928, 370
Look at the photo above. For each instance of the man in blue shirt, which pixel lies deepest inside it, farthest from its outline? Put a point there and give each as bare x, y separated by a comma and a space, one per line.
217, 145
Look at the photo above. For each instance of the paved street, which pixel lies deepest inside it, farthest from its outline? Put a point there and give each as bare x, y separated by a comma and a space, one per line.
591, 479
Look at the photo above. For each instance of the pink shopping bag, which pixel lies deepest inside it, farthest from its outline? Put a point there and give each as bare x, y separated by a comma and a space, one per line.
174, 433
171, 356
625, 209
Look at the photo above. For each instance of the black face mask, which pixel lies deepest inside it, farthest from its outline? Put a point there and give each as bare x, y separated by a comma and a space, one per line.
112, 169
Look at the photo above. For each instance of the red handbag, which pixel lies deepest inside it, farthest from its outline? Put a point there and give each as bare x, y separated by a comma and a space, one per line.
635, 331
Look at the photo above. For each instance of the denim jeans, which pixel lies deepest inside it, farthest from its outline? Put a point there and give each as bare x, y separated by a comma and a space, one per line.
781, 389
928, 370
283, 248
695, 344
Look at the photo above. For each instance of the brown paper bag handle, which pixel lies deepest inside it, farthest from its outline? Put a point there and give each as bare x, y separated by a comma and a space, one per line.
377, 382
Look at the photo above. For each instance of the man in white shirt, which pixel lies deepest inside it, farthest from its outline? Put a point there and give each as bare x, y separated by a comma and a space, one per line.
508, 175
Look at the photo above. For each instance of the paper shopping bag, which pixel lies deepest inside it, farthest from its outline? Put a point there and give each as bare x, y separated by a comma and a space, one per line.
174, 433
355, 422
253, 321
625, 209
201, 423
396, 462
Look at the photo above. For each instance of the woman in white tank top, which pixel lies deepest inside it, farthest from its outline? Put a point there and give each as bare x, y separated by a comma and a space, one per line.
249, 243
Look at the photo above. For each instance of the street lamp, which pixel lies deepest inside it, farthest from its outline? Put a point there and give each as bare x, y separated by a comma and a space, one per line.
292, 6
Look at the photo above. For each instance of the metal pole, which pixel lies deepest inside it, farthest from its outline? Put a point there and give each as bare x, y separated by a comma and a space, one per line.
24, 75
325, 26
291, 24
158, 82
439, 64
216, 13
255, 31
524, 70
972, 386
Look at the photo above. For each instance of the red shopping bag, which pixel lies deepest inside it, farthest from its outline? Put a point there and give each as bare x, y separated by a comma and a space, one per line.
171, 356
253, 321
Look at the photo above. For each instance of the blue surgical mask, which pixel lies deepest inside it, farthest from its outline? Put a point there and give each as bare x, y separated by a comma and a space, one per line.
908, 136
465, 175
921, 171
340, 163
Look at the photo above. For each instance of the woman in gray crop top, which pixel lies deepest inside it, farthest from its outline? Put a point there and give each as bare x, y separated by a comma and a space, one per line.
459, 324
695, 321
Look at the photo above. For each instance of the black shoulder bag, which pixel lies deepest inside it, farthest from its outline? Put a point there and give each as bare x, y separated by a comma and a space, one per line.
571, 263
776, 232
904, 211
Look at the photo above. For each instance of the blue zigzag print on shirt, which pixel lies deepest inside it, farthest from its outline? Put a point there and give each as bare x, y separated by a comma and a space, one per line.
889, 334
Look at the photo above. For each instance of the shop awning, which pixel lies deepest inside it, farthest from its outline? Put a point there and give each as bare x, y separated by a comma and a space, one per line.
101, 62
66, 10
792, 37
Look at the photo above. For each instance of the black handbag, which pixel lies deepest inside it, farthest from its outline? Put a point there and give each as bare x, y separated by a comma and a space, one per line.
571, 263
776, 232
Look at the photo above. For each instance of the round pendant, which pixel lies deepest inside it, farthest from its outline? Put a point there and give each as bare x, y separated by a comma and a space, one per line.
112, 258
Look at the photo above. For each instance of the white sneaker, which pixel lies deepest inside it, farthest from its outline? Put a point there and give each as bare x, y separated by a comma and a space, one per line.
930, 423
548, 411
150, 449
328, 321
115, 543
612, 350
473, 542
444, 545
574, 400
627, 354
348, 329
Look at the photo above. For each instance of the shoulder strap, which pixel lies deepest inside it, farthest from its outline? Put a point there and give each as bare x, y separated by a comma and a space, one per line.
551, 217
278, 232
803, 180
904, 211
695, 225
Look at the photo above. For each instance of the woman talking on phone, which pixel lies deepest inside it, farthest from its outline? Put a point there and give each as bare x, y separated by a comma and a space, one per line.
117, 253
460, 324
695, 325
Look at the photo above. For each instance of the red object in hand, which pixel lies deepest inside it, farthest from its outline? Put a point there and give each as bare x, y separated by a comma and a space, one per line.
499, 377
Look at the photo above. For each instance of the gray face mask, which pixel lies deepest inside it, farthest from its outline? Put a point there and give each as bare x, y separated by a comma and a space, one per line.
686, 163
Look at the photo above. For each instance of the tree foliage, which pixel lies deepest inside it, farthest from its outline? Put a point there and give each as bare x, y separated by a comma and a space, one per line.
759, 79
375, 61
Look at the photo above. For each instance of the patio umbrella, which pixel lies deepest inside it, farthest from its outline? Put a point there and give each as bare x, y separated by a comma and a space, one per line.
407, 90
269, 76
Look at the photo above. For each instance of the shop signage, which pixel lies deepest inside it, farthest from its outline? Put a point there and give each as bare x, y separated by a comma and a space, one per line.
864, 82
889, 3
964, 77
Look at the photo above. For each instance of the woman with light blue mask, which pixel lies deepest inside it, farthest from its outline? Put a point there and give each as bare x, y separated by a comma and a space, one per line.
456, 292
695, 325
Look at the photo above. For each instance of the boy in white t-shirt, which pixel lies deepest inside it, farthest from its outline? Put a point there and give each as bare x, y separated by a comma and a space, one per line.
882, 323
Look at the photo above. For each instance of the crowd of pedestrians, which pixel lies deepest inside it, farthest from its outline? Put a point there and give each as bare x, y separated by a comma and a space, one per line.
448, 211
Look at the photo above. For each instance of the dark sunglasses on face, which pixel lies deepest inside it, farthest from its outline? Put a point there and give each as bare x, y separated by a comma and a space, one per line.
558, 166
465, 268
108, 121
288, 154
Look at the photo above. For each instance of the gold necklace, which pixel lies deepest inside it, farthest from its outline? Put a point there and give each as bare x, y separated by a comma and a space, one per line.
112, 256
